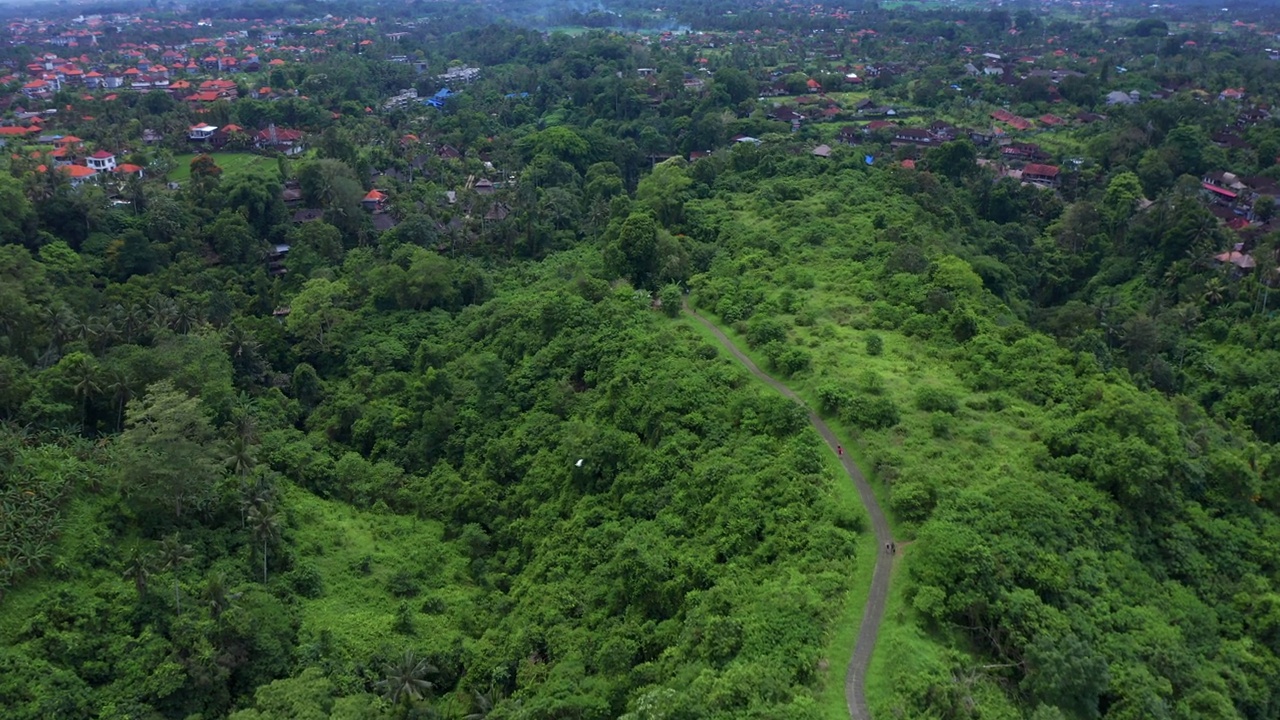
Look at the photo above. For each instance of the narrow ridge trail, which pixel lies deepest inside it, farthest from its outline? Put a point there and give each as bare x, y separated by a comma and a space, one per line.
855, 680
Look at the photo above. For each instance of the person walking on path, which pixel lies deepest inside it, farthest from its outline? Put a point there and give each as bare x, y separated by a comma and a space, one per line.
840, 450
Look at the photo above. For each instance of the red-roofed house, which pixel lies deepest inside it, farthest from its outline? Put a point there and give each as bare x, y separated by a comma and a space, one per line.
101, 161
282, 140
1046, 175
12, 132
128, 169
39, 88
374, 200
79, 174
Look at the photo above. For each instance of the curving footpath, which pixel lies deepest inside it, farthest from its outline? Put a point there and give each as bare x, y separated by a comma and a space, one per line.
855, 681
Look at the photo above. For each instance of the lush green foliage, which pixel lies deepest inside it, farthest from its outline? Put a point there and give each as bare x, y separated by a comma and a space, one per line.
1078, 531
472, 467
607, 515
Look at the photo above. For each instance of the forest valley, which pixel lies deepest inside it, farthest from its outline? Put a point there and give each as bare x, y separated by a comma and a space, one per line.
477, 462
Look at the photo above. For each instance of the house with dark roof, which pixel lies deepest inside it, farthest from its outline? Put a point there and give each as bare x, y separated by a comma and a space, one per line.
1024, 151
914, 136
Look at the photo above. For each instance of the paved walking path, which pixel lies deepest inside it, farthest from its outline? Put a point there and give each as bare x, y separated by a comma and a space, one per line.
855, 681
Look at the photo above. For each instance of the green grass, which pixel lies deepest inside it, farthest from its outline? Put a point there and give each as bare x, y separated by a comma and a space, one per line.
232, 163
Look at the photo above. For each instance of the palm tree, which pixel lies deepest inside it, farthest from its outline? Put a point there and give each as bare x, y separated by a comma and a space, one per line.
163, 311
484, 704
189, 317
60, 321
119, 386
173, 555
86, 387
406, 679
242, 459
216, 597
1214, 291
138, 569
265, 525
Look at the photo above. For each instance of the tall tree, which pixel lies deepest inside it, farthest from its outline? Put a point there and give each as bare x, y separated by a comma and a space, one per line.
172, 556
138, 569
170, 450
264, 523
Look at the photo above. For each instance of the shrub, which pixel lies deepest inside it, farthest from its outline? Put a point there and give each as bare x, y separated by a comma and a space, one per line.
671, 299
831, 397
870, 382
871, 413
787, 300
791, 360
875, 345
764, 330
403, 584
729, 311
306, 581
981, 434
911, 500
936, 399
941, 425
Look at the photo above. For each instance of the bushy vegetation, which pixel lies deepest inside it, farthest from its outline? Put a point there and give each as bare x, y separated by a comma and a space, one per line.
549, 495
1073, 527
476, 466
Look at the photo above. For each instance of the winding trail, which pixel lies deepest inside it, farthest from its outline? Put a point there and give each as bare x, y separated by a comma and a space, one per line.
855, 680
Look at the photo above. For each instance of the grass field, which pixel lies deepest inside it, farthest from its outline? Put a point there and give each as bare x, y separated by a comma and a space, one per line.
232, 163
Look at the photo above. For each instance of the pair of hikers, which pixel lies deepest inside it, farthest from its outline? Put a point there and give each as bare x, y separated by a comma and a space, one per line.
889, 547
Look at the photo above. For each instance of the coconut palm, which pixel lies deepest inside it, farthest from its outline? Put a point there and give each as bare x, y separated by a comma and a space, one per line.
85, 373
406, 680
264, 523
119, 386
172, 556
216, 596
138, 569
242, 459
484, 703
60, 322
1214, 291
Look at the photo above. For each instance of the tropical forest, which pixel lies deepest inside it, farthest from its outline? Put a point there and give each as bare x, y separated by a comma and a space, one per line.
539, 360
